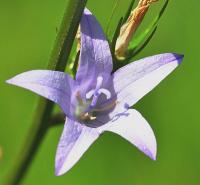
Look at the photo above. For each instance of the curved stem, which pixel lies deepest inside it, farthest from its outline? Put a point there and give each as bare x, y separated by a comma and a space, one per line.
58, 60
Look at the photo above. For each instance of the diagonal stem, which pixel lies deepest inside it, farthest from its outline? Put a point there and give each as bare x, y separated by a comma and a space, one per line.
58, 60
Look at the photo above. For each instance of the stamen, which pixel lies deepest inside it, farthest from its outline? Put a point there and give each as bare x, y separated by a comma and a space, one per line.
92, 118
107, 107
87, 116
78, 97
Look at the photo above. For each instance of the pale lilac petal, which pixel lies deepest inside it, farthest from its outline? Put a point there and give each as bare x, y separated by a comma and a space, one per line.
75, 140
95, 56
53, 85
135, 80
134, 128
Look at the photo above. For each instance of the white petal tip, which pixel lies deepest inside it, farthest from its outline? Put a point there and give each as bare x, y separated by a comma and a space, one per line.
153, 157
150, 154
59, 171
14, 81
57, 174
10, 81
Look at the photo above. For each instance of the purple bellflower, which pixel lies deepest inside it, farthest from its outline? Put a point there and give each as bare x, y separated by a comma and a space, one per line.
98, 100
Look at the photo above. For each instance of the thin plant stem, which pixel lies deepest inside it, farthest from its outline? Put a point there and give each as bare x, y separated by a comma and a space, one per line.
44, 108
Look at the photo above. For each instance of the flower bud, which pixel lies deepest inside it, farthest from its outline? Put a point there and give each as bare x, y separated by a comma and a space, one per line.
130, 26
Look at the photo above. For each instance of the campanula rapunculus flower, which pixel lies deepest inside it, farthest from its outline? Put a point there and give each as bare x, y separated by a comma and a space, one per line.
98, 100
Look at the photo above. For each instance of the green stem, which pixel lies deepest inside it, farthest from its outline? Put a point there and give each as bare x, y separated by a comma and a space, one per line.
58, 60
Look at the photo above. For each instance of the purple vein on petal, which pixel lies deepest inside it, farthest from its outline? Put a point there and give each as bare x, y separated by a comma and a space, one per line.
95, 56
53, 85
135, 80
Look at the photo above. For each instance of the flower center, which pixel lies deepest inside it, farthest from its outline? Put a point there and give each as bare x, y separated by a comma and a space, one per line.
95, 93
86, 109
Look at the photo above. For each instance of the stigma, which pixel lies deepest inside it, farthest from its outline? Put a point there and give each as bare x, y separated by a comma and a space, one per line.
95, 93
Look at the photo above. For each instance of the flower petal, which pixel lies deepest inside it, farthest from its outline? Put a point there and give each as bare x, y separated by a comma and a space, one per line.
134, 128
95, 56
135, 80
53, 85
75, 140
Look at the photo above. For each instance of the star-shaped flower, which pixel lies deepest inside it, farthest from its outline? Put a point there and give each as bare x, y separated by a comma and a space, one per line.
98, 100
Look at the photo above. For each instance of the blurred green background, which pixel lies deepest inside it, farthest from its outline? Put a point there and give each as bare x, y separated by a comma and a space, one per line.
27, 32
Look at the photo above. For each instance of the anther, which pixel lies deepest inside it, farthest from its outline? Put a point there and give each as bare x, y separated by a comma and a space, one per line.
87, 116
